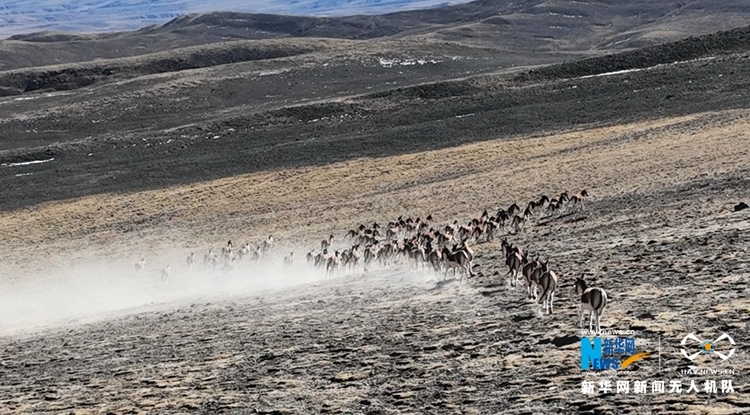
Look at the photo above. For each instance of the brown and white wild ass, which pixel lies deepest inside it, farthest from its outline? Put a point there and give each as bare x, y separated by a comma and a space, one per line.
594, 300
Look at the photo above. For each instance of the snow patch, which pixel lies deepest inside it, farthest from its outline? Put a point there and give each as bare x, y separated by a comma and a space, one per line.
26, 163
389, 63
645, 69
273, 71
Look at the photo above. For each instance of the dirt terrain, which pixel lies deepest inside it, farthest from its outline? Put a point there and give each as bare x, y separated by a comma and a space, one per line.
339, 132
658, 229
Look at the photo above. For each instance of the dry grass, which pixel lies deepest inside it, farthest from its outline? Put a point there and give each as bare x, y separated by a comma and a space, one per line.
309, 203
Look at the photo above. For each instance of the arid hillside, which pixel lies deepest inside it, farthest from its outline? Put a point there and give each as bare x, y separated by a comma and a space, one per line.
659, 226
114, 171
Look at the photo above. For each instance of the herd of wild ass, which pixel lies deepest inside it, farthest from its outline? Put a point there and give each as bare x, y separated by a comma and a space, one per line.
420, 243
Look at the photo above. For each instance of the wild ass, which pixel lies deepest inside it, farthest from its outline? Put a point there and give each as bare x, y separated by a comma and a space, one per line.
532, 270
577, 200
266, 245
332, 263
594, 300
513, 209
190, 260
548, 285
520, 221
457, 259
289, 260
326, 243
165, 274
140, 265
514, 261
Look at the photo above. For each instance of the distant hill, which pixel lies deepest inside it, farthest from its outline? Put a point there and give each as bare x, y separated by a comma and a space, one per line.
524, 26
27, 16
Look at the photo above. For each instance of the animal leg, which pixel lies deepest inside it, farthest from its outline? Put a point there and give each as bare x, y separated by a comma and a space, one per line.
551, 300
581, 312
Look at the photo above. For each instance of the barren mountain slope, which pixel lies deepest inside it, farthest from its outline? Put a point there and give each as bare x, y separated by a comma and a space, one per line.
197, 125
535, 26
395, 341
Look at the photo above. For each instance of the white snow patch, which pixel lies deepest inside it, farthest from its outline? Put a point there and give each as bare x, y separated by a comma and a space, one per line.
568, 16
58, 93
614, 73
389, 63
26, 163
645, 69
273, 71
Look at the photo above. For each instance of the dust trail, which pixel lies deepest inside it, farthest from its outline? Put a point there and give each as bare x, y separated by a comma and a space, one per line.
103, 289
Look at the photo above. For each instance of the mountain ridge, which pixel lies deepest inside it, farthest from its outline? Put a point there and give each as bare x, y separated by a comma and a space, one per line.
525, 26
29, 16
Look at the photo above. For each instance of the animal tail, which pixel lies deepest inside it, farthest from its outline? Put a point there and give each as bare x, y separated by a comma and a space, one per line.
544, 293
602, 302
597, 302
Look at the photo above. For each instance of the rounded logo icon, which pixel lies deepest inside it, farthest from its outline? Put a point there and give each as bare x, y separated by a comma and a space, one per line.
707, 346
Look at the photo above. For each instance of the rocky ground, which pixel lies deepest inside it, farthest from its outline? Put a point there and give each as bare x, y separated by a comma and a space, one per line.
659, 233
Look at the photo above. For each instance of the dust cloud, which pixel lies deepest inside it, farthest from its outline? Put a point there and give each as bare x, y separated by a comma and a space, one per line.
103, 289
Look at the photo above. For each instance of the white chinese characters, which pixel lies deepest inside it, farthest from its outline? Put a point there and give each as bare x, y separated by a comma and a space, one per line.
709, 386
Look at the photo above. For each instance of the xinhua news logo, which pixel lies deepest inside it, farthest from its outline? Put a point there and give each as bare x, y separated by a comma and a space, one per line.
609, 353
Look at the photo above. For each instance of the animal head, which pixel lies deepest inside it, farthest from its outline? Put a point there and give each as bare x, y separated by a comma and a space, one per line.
580, 286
